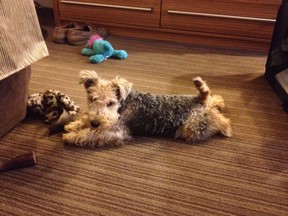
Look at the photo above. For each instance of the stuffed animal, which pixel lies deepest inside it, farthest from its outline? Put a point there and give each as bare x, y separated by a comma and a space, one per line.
99, 50
51, 104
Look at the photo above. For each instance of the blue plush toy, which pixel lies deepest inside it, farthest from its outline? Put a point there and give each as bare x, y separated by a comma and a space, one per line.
100, 50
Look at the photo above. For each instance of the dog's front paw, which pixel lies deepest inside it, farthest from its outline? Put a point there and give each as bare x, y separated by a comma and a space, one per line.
72, 138
69, 128
68, 138
73, 126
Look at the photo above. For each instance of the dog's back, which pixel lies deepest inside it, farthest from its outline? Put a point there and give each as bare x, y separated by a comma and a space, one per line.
158, 115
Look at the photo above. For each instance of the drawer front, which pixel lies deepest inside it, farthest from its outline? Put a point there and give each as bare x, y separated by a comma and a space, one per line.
136, 12
252, 18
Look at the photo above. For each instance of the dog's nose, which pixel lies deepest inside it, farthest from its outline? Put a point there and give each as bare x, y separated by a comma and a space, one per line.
95, 124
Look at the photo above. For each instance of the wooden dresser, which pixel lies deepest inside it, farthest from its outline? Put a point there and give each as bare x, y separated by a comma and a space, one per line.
243, 24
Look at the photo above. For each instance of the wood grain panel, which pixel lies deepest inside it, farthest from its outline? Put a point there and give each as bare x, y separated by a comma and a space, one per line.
246, 8
195, 38
159, 24
135, 12
235, 16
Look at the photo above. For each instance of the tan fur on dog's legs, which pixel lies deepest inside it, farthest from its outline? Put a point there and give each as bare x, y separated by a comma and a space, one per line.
217, 102
205, 95
74, 126
219, 123
216, 122
91, 138
204, 91
79, 124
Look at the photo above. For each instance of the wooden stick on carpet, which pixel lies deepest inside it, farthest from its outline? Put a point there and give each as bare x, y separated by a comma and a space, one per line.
22, 160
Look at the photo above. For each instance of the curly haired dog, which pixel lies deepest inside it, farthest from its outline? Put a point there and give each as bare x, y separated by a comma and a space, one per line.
115, 113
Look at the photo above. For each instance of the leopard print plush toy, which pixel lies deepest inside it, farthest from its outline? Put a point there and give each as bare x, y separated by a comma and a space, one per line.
51, 104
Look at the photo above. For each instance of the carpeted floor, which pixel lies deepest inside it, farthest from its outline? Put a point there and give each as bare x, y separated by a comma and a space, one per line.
243, 175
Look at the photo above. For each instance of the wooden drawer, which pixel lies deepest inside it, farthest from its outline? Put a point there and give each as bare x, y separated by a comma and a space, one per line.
136, 12
251, 18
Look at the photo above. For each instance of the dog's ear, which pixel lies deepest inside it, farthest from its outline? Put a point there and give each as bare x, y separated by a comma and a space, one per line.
88, 78
122, 87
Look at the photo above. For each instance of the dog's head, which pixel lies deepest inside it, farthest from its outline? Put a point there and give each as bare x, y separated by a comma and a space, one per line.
104, 98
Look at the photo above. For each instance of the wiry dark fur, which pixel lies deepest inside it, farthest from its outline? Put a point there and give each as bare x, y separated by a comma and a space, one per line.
158, 115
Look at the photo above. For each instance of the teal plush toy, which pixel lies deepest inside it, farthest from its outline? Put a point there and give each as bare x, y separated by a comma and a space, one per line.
99, 50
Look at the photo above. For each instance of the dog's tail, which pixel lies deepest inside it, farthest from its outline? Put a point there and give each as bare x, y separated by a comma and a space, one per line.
204, 91
88, 78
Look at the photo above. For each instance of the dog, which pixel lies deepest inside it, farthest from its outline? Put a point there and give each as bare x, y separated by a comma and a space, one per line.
115, 113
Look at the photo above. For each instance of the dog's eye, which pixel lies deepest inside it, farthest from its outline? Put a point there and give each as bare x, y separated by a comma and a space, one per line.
110, 103
94, 98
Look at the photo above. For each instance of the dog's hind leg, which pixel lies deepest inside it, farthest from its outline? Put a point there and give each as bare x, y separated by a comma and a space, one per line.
219, 123
213, 101
204, 91
217, 102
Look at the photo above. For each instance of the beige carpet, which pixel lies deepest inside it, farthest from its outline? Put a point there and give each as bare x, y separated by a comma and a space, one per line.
243, 175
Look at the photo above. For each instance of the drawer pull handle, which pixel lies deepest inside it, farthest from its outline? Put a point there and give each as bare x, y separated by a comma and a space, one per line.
221, 16
108, 5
